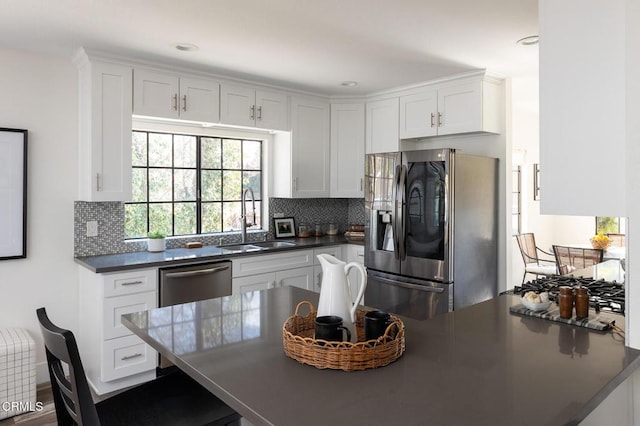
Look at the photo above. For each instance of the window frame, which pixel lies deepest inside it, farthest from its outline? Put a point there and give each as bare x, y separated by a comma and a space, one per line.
199, 136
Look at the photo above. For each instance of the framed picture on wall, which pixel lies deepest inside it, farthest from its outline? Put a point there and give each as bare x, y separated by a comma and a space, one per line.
284, 227
13, 193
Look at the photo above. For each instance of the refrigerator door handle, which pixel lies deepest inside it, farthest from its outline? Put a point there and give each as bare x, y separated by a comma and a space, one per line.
400, 219
396, 217
410, 286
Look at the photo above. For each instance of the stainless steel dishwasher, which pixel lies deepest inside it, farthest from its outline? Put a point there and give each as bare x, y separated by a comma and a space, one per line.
191, 283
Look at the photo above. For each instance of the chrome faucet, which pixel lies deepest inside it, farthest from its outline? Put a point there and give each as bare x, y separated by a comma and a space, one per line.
243, 214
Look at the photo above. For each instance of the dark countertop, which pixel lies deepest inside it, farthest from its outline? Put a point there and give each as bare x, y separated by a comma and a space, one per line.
480, 365
170, 257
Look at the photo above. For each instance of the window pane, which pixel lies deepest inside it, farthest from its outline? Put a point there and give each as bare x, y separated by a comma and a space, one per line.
251, 155
211, 153
211, 217
159, 184
230, 216
159, 150
211, 186
184, 151
139, 184
135, 220
184, 185
231, 154
139, 149
160, 218
185, 218
232, 185
252, 180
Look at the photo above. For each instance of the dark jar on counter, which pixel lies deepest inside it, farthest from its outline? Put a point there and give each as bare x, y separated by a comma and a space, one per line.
582, 303
565, 302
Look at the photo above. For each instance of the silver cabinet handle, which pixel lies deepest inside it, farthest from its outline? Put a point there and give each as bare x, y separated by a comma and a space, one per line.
252, 112
196, 272
433, 119
132, 283
260, 112
184, 102
126, 357
175, 102
440, 119
361, 184
97, 181
295, 184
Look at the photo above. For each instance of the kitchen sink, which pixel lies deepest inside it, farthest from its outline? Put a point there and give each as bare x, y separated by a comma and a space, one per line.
256, 246
274, 244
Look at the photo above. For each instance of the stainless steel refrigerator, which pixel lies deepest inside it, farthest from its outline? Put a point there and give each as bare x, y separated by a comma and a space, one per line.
431, 231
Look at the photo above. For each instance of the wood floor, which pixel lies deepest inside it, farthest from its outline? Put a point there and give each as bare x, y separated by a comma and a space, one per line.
46, 417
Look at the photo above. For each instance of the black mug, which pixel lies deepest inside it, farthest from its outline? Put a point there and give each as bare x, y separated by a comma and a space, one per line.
329, 328
375, 324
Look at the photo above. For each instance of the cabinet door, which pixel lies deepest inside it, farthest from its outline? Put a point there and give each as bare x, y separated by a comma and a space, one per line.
419, 114
382, 122
347, 151
115, 307
237, 105
155, 94
310, 148
126, 356
271, 110
301, 277
199, 100
253, 283
460, 108
105, 129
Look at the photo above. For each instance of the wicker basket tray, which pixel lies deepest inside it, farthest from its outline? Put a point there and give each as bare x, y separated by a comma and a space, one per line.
299, 344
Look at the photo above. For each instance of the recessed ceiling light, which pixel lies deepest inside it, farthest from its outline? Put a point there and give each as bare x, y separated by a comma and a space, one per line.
186, 47
349, 83
528, 41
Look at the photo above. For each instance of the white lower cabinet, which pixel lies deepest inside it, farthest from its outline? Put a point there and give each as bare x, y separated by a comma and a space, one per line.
112, 356
355, 253
299, 277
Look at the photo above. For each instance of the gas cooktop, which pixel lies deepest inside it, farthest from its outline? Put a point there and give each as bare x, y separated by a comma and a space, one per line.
606, 296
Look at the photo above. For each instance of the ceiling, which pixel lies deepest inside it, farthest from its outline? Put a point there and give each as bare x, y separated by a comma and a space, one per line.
304, 44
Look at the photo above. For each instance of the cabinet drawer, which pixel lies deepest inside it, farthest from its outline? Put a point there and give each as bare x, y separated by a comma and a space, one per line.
126, 356
335, 251
115, 307
272, 262
138, 281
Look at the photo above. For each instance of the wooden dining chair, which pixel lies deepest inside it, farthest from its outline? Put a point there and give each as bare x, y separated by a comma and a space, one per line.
172, 399
571, 258
533, 263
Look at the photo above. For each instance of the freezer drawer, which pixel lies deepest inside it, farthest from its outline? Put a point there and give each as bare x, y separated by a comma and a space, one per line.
408, 297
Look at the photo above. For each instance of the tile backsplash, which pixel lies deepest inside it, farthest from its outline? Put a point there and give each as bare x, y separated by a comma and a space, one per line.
110, 218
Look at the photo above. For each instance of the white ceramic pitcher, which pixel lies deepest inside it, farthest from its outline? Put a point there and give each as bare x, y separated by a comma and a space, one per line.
336, 291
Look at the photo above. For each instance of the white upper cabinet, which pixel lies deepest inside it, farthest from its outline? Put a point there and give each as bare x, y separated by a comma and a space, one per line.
347, 150
158, 94
105, 129
451, 108
245, 106
382, 121
583, 107
301, 158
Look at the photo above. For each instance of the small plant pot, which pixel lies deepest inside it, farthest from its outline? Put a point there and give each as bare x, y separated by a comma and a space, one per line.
155, 244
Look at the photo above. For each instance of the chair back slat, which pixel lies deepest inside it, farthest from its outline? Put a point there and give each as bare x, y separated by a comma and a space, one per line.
71, 397
527, 244
571, 258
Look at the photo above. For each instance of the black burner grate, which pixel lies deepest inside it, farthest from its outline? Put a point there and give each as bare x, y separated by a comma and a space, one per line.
603, 295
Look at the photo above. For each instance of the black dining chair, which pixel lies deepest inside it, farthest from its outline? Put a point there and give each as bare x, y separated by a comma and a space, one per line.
172, 399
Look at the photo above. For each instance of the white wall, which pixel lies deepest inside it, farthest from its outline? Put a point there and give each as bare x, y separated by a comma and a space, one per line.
548, 229
40, 94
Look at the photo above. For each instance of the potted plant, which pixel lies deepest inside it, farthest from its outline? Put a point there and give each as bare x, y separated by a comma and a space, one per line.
156, 241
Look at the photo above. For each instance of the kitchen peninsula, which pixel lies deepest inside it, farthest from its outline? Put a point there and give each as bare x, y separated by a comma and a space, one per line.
480, 365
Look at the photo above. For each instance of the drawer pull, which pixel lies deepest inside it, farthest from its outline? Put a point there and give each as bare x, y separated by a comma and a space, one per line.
128, 357
196, 272
132, 283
